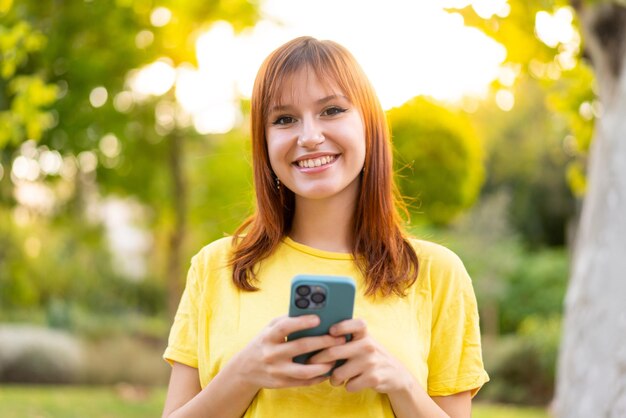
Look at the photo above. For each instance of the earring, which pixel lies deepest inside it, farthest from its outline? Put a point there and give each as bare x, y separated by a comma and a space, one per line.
277, 184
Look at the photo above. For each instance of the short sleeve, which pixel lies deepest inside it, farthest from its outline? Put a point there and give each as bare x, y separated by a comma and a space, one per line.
455, 358
183, 339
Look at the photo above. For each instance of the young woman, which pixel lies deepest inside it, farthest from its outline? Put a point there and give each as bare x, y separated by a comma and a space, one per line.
325, 205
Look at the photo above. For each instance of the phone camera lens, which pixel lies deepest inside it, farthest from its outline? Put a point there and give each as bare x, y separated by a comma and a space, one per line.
302, 303
318, 297
303, 290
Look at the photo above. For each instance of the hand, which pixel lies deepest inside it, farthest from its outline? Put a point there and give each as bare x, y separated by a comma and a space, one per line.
368, 365
267, 361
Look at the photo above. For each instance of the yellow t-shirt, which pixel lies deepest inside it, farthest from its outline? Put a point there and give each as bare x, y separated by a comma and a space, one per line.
433, 330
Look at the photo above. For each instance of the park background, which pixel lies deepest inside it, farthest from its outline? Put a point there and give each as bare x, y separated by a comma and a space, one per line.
124, 148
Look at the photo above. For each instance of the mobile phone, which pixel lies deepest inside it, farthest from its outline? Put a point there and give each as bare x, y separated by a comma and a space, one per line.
329, 297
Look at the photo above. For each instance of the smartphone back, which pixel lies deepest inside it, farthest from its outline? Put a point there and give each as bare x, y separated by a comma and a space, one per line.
329, 297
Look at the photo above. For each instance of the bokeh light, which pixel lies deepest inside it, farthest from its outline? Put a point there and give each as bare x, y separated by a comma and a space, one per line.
110, 145
144, 39
50, 162
123, 101
505, 99
160, 16
154, 79
87, 161
557, 28
98, 96
25, 168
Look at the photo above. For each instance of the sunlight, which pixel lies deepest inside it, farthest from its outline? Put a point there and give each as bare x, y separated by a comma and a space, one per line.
422, 50
557, 28
50, 162
110, 145
488, 8
154, 79
25, 168
209, 97
98, 96
505, 99
160, 16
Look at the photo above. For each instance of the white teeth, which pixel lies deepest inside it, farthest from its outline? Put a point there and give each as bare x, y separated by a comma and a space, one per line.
316, 162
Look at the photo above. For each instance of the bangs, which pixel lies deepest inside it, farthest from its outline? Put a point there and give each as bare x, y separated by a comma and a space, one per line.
323, 59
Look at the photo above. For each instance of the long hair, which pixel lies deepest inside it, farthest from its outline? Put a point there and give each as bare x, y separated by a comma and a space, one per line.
380, 248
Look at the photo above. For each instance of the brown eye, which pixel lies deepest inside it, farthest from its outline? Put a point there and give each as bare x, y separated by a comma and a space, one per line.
283, 120
333, 110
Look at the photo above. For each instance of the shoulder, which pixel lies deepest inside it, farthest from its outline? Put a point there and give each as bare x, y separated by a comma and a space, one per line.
215, 255
435, 254
439, 267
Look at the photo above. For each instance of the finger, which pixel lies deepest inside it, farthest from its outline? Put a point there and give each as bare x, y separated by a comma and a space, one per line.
275, 320
345, 351
286, 325
308, 344
356, 327
308, 382
356, 384
306, 371
348, 371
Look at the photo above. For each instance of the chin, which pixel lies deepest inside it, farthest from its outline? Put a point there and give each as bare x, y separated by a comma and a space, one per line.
318, 193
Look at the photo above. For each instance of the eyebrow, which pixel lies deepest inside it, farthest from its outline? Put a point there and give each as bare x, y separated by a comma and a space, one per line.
318, 102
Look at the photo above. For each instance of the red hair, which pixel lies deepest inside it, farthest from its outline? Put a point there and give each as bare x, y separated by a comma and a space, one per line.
380, 248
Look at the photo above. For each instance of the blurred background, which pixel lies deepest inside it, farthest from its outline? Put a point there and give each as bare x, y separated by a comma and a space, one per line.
124, 148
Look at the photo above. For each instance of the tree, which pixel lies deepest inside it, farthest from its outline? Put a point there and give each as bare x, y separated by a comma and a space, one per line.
92, 48
23, 94
591, 374
525, 161
439, 159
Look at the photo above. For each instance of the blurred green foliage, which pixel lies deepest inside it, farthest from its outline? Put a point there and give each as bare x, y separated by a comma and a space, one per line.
526, 157
569, 89
438, 159
52, 60
535, 288
522, 365
24, 96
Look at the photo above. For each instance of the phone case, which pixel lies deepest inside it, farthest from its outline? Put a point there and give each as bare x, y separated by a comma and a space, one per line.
338, 306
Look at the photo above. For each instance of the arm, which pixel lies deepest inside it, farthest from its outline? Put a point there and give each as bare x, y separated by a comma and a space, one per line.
224, 396
458, 405
266, 362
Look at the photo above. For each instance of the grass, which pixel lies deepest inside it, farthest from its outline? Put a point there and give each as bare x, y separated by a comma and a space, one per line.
123, 401
78, 402
482, 410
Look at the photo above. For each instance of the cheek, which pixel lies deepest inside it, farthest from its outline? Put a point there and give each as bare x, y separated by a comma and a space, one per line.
362, 151
359, 146
276, 150
273, 159
357, 138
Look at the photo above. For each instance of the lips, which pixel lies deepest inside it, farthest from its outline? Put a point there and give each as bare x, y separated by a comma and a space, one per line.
315, 160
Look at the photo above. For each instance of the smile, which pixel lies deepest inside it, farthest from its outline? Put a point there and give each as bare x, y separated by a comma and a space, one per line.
316, 162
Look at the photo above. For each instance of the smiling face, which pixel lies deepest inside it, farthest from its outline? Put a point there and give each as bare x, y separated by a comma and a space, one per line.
315, 138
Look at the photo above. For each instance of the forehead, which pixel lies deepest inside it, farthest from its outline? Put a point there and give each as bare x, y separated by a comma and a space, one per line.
302, 84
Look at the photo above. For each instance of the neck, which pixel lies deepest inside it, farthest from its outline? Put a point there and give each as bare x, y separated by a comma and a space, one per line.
325, 224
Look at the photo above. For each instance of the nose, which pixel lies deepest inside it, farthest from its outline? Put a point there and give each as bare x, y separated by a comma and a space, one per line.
311, 135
